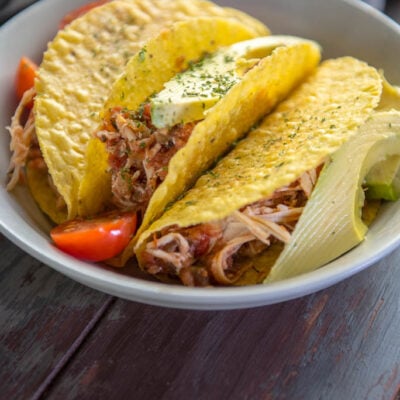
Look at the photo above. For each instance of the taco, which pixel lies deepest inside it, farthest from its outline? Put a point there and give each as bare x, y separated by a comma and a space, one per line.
158, 145
232, 226
74, 80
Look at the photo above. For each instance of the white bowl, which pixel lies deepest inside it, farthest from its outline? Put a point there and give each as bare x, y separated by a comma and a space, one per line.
342, 27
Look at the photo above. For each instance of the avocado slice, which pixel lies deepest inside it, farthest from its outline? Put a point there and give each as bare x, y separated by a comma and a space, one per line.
331, 223
383, 180
188, 95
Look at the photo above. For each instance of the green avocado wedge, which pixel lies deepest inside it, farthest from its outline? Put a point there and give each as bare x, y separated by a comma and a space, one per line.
383, 180
331, 223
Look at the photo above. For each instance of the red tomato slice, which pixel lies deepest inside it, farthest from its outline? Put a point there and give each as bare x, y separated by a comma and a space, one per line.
25, 77
80, 11
95, 239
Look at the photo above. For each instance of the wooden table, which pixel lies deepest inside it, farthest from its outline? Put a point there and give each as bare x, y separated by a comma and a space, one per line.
61, 340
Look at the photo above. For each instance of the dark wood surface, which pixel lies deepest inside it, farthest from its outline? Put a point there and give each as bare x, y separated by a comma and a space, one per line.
61, 340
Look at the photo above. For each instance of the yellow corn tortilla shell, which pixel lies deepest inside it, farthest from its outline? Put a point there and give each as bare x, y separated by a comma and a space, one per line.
390, 99
43, 192
312, 123
265, 85
158, 12
78, 70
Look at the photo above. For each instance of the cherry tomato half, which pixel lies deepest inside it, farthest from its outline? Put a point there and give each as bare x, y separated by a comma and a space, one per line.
25, 77
80, 11
95, 239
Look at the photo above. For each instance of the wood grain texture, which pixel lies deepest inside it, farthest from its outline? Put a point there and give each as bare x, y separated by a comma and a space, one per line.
42, 317
341, 343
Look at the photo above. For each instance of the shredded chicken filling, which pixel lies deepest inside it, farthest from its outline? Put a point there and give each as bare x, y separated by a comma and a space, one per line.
139, 154
219, 252
22, 132
25, 147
